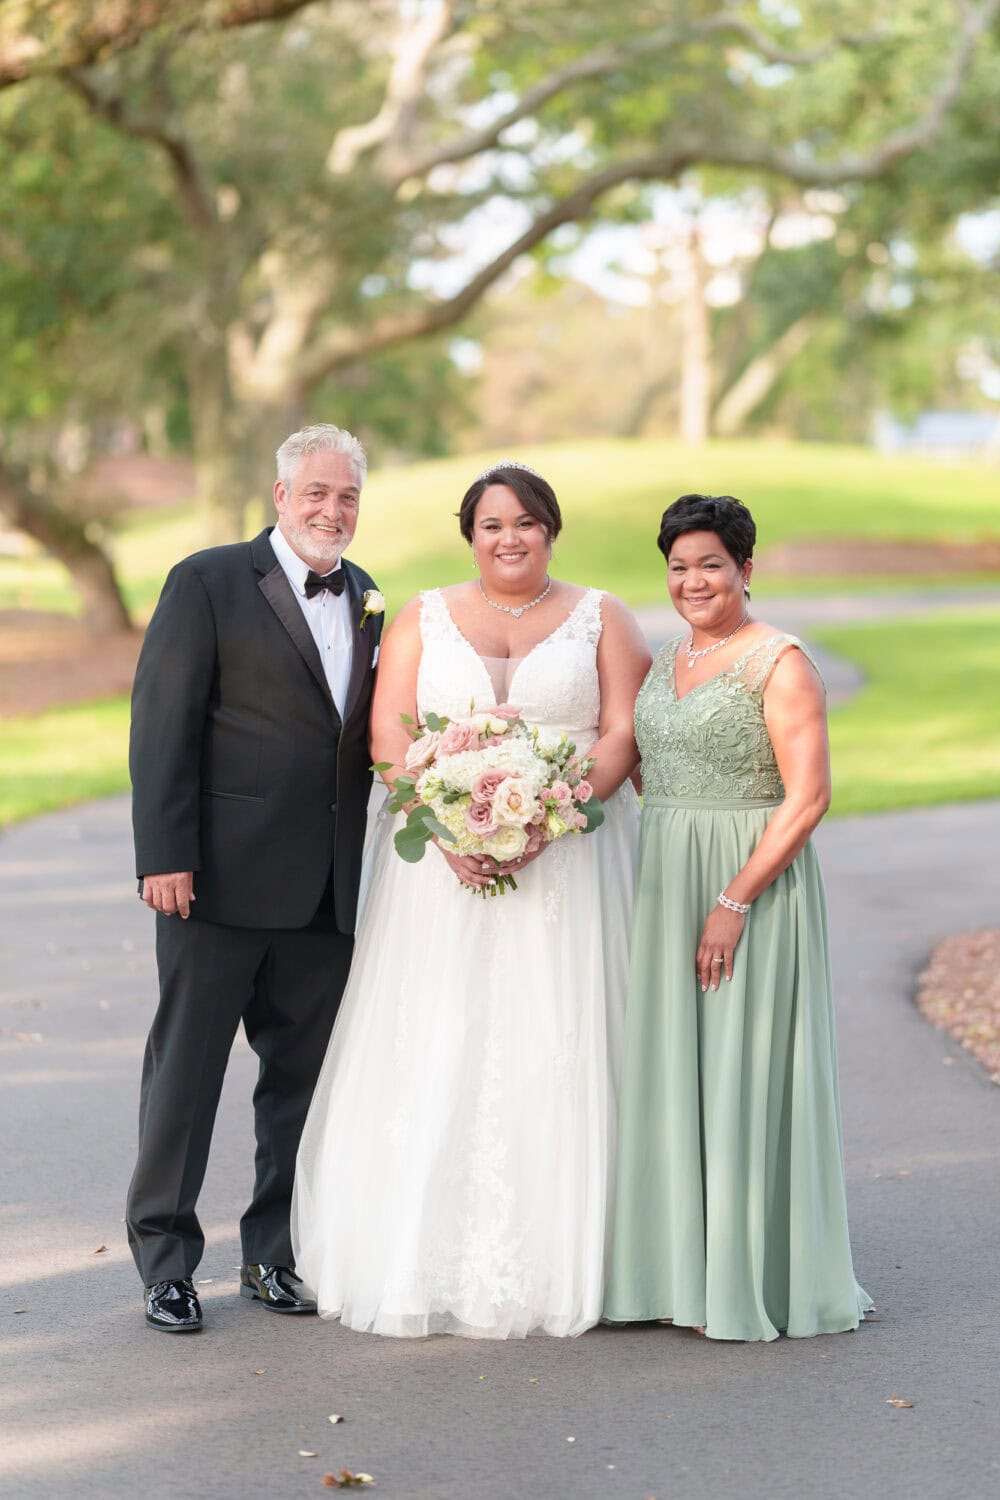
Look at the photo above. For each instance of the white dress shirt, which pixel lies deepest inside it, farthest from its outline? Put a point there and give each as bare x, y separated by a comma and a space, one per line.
327, 615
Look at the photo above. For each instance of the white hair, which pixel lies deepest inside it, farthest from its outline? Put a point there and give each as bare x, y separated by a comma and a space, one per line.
321, 438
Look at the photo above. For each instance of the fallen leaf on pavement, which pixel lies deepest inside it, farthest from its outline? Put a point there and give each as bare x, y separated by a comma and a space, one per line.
334, 1417
344, 1479
260, 1372
100, 1250
307, 1453
898, 1401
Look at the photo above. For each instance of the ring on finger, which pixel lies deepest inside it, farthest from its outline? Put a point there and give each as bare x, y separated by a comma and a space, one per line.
718, 960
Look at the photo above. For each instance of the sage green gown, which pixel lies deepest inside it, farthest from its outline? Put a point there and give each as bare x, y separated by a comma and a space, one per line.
731, 1211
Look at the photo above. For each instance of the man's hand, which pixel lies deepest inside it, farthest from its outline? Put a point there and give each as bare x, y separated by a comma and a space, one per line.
171, 894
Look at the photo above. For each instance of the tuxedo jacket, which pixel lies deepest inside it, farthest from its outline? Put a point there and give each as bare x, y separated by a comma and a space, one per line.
242, 769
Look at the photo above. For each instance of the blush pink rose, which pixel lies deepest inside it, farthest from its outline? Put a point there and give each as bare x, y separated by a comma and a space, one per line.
479, 819
583, 791
458, 737
484, 787
581, 820
561, 792
422, 751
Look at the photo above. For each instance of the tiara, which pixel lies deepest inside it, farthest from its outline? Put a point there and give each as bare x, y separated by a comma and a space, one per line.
507, 463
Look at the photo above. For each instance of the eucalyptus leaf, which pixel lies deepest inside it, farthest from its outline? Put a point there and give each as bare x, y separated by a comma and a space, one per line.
594, 812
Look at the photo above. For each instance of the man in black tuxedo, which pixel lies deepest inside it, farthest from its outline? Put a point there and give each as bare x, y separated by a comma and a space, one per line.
250, 774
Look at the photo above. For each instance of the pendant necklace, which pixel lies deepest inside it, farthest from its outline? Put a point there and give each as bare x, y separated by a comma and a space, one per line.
693, 656
517, 613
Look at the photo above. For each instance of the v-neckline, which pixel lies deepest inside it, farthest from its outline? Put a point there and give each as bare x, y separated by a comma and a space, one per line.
736, 662
482, 660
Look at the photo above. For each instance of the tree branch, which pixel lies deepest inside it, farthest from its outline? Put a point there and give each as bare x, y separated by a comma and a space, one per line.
406, 88
161, 131
605, 60
337, 351
46, 37
773, 52
976, 19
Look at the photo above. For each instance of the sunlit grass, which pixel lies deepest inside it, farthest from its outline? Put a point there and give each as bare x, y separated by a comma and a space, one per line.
62, 757
925, 728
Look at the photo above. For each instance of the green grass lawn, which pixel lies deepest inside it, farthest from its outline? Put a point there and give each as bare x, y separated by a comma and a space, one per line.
613, 492
65, 756
926, 728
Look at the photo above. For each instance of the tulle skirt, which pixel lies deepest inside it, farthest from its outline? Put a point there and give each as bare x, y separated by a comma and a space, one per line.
455, 1173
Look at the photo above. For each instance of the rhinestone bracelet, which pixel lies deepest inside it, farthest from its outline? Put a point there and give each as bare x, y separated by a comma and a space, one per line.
731, 905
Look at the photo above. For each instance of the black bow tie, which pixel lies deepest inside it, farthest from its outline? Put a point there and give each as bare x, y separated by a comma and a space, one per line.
316, 582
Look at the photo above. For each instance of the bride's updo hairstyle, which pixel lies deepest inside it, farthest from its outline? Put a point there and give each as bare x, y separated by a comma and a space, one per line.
724, 515
535, 494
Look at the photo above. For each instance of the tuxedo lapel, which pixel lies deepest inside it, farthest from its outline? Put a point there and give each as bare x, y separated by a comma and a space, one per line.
278, 593
362, 643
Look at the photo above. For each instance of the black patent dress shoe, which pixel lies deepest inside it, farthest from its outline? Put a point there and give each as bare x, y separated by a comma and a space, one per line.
277, 1287
173, 1307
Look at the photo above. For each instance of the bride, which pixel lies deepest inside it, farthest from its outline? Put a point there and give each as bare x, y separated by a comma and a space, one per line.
455, 1171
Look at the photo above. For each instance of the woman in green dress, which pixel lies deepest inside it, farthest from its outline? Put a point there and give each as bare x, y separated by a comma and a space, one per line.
731, 1213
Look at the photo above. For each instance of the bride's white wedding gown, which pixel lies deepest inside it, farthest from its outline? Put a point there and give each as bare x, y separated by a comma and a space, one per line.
456, 1169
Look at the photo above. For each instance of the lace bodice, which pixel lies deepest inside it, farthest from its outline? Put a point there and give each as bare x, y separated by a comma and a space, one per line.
555, 685
713, 743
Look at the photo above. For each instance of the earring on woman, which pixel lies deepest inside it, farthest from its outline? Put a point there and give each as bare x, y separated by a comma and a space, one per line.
475, 565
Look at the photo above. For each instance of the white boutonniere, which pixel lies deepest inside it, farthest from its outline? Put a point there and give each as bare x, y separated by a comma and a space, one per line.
371, 604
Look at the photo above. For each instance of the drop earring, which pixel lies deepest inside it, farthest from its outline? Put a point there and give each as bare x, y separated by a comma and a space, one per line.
475, 565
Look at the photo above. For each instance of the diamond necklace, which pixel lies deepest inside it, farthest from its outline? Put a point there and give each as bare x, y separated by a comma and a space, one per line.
517, 613
693, 656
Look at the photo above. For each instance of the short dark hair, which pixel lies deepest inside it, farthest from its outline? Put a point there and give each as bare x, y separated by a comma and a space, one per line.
535, 494
724, 515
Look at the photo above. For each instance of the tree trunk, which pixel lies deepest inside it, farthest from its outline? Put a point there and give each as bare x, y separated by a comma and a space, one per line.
64, 535
223, 449
757, 381
696, 348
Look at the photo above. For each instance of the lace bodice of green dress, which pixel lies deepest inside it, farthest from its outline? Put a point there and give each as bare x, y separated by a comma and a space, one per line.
712, 744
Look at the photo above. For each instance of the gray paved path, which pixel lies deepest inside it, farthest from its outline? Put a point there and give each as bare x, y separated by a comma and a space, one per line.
93, 1404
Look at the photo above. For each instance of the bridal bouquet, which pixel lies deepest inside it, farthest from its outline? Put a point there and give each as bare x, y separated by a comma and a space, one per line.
490, 785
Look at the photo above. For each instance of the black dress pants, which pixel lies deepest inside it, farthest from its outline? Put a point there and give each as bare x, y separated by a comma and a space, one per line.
285, 986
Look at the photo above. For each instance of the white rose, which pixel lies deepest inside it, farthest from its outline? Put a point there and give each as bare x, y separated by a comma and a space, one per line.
372, 603
510, 843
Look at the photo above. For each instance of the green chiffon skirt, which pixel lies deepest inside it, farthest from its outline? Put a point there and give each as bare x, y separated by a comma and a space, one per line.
731, 1211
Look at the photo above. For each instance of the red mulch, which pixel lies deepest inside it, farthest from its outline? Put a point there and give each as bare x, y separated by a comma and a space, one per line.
960, 993
46, 660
